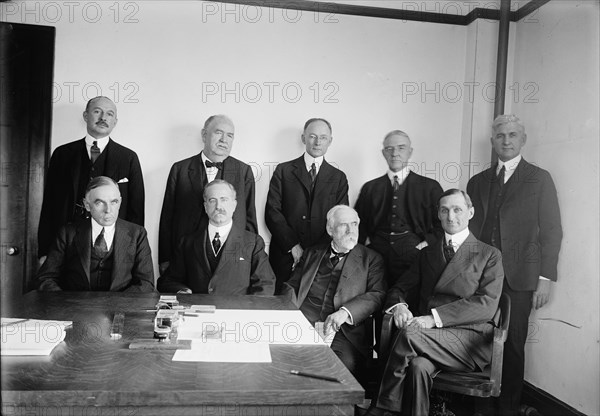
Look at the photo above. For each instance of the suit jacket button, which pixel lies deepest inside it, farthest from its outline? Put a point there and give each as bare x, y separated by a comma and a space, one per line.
304, 217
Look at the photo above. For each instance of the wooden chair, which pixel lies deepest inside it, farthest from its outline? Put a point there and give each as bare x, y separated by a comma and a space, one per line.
479, 384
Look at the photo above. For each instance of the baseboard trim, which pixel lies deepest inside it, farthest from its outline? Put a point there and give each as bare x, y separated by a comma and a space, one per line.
545, 403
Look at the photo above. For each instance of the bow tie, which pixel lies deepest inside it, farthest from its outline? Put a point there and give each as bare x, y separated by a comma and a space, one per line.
339, 255
209, 164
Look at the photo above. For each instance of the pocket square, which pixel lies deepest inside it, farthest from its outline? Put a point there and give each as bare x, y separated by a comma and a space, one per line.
242, 259
124, 180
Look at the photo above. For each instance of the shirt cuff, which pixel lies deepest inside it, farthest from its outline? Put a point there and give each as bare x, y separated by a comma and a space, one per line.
391, 308
437, 319
350, 319
543, 278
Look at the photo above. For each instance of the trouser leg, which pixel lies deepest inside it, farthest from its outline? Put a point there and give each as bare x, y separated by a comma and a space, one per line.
514, 352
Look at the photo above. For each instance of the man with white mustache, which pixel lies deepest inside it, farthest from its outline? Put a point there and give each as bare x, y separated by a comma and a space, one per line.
341, 283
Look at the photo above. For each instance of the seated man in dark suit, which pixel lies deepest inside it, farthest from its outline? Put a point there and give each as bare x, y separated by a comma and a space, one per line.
221, 257
182, 210
461, 282
73, 164
103, 253
341, 283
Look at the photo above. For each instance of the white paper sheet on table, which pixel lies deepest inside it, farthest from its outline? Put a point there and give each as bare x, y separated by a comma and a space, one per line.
31, 336
253, 326
225, 352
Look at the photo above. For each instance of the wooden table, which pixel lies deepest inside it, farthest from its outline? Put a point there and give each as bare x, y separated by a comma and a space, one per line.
91, 374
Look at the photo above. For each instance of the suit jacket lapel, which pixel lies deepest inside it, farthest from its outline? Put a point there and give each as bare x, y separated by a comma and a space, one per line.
351, 265
200, 249
302, 174
231, 173
197, 175
519, 176
83, 244
111, 163
324, 175
122, 244
460, 262
314, 259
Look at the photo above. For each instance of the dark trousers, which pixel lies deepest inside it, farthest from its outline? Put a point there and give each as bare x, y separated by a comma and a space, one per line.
351, 357
281, 263
398, 252
513, 367
416, 357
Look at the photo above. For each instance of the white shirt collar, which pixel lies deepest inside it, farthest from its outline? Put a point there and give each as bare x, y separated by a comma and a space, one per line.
309, 160
211, 172
223, 231
458, 238
109, 232
511, 165
101, 143
402, 174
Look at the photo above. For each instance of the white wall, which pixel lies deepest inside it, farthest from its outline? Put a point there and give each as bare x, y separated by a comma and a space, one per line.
556, 65
367, 76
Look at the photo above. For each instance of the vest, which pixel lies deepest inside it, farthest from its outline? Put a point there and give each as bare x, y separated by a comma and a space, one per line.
490, 233
397, 214
101, 270
318, 304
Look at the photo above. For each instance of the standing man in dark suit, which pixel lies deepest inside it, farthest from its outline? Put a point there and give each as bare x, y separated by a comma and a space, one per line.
103, 253
398, 209
182, 209
460, 280
220, 258
516, 210
341, 283
73, 165
300, 194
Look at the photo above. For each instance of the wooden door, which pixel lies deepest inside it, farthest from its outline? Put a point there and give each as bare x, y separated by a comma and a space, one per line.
26, 64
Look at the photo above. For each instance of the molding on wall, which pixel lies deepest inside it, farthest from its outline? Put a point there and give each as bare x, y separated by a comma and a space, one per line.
396, 14
545, 403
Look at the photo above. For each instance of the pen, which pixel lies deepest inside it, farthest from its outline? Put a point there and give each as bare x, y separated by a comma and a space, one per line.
318, 376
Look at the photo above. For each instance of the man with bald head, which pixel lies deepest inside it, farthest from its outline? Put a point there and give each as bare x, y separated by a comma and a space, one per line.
183, 210
341, 283
398, 209
516, 211
300, 194
102, 253
73, 165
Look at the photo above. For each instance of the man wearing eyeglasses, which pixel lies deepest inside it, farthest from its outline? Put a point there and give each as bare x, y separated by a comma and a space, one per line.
300, 194
398, 209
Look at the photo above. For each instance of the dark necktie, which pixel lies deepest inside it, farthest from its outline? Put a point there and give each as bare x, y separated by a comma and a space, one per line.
94, 152
216, 242
209, 164
313, 172
396, 183
448, 251
100, 244
500, 177
336, 257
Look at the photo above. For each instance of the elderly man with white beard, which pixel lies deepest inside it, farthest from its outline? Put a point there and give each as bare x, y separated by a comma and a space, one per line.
341, 283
